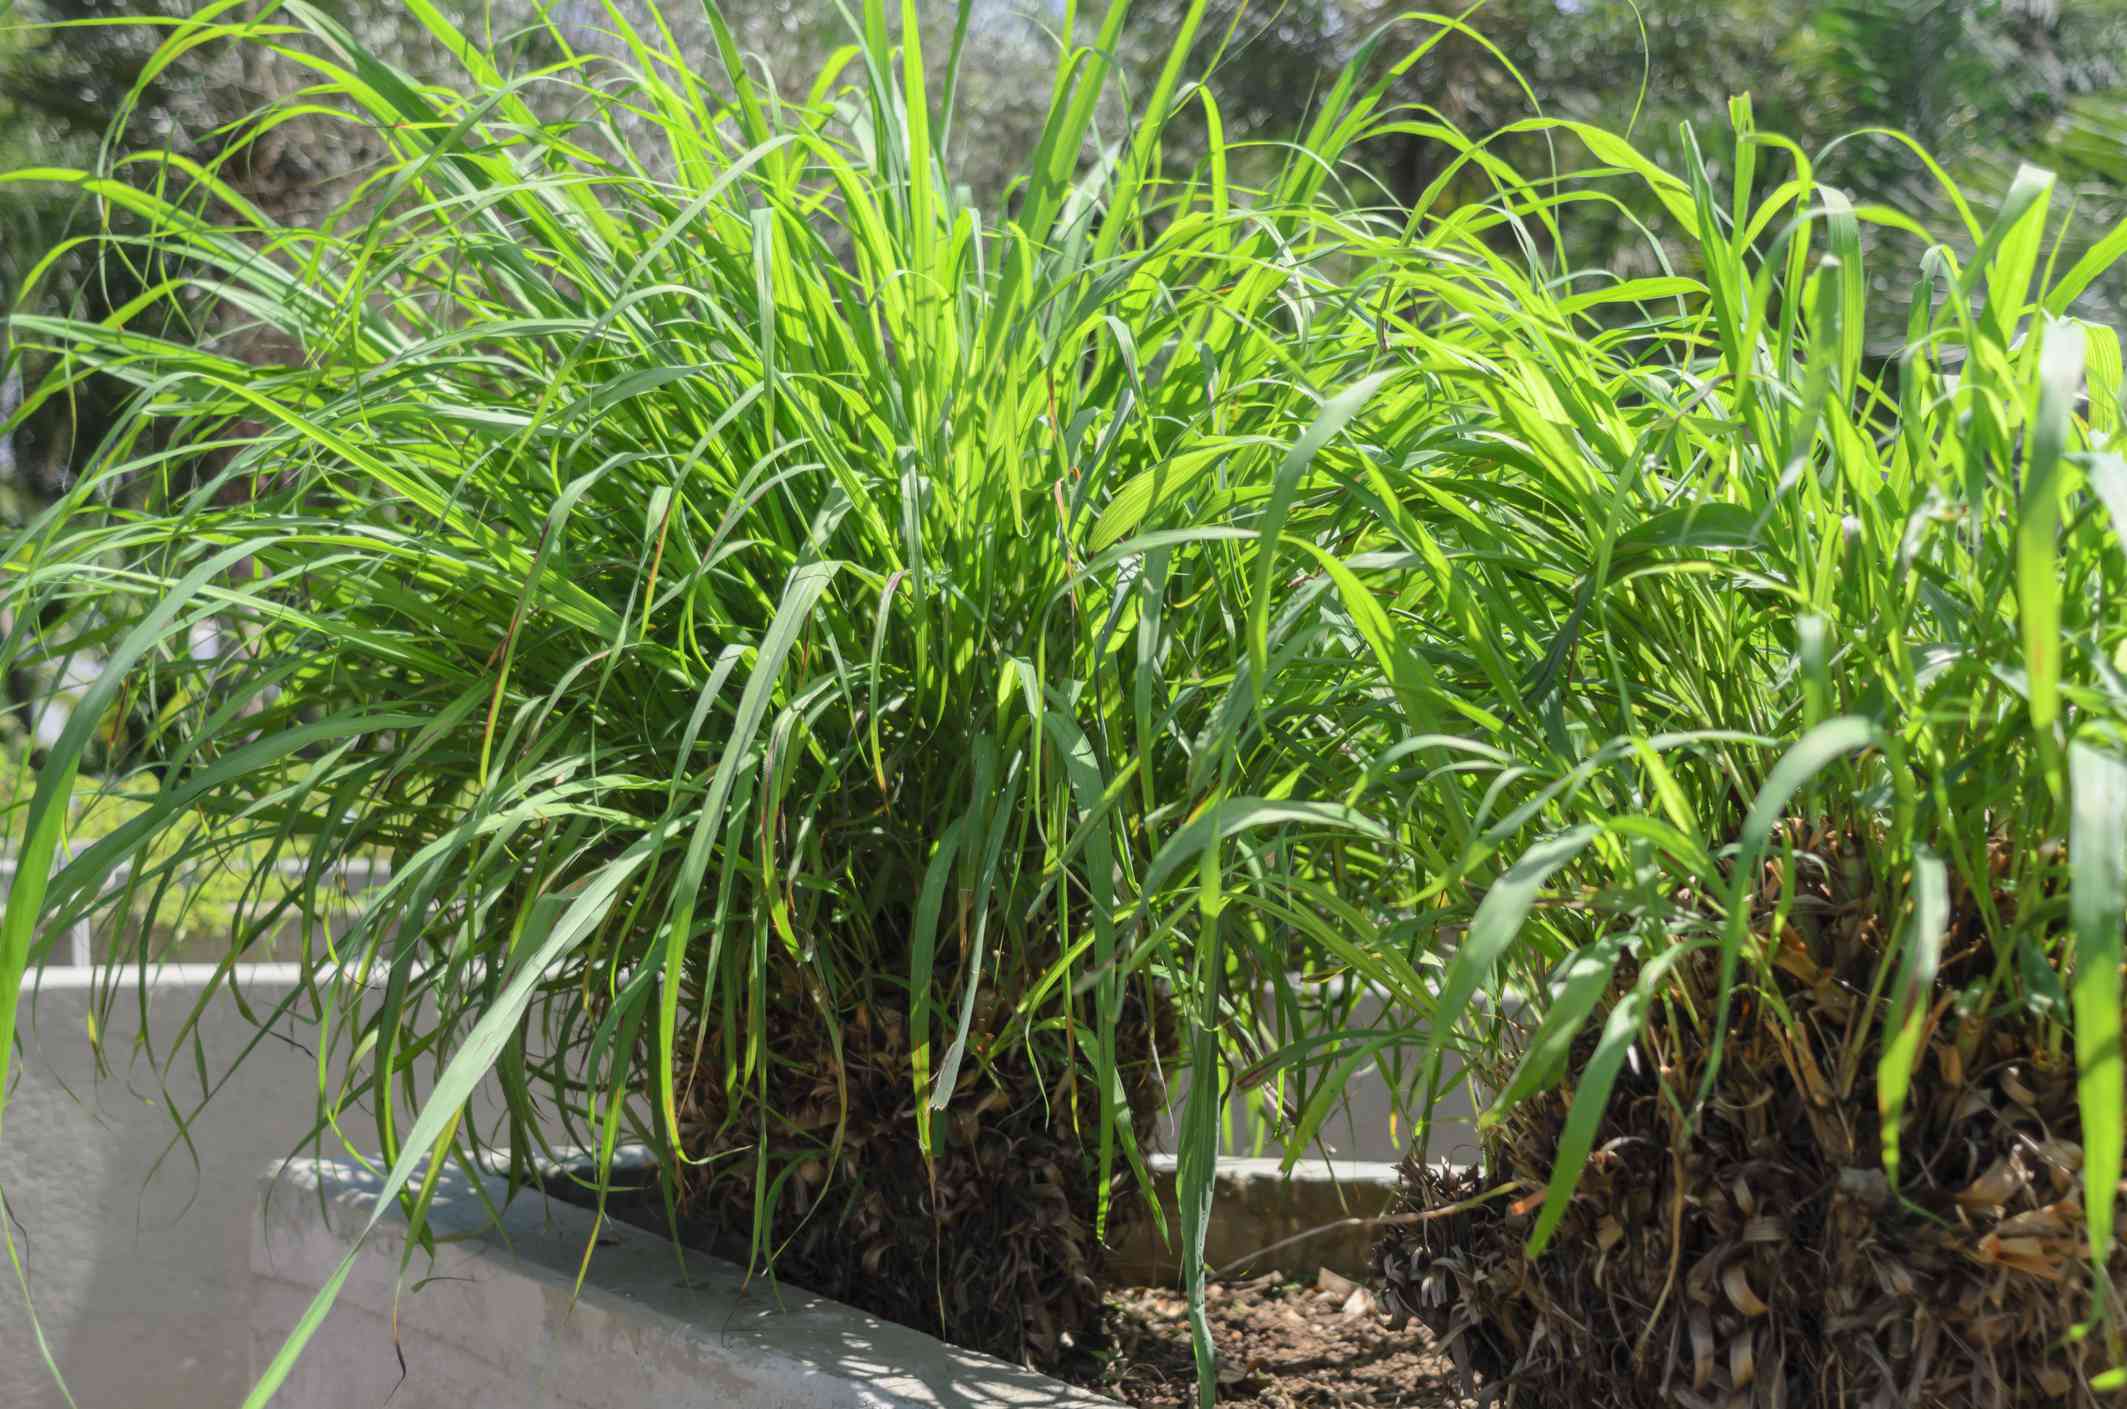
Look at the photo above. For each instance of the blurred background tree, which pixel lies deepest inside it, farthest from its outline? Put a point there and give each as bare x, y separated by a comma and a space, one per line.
1981, 84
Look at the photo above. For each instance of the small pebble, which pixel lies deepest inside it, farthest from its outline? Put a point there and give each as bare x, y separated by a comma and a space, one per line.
1328, 1281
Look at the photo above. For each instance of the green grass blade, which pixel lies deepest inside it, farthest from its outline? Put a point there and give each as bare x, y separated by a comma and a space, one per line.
2097, 897
1911, 1002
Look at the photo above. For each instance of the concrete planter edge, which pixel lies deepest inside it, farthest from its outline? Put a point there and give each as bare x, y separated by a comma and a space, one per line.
1258, 1214
492, 1320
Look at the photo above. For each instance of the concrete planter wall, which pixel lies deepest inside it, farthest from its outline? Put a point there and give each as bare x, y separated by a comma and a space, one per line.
494, 1324
138, 1252
1258, 1217
134, 1267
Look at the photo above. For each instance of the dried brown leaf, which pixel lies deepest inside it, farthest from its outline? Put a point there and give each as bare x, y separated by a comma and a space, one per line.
1742, 1361
2004, 1179
2039, 1257
2063, 1155
1736, 1282
2053, 1221
1765, 1229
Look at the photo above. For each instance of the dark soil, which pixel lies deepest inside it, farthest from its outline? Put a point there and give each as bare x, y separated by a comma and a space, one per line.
1280, 1346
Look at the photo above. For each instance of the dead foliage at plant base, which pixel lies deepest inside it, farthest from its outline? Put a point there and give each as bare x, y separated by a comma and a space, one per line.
991, 1245
1766, 1260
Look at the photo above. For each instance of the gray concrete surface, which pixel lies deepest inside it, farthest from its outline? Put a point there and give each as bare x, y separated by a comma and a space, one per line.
138, 1247
493, 1323
135, 1267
